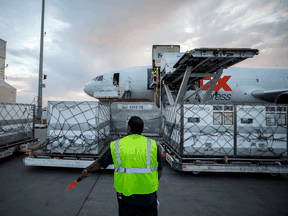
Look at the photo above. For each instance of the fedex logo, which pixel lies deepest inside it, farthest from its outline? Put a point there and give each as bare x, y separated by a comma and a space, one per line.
222, 83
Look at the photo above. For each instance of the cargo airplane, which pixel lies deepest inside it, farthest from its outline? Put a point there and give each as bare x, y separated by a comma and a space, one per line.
236, 85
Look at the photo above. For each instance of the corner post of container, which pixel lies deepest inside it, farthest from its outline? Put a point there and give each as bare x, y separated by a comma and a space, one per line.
33, 130
182, 129
287, 132
235, 129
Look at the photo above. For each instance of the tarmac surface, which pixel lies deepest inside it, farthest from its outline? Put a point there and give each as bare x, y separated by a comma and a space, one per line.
29, 190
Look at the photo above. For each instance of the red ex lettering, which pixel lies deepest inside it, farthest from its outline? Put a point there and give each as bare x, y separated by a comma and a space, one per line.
222, 83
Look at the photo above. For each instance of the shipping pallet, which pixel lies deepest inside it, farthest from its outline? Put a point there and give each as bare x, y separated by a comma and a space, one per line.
38, 158
238, 165
21, 146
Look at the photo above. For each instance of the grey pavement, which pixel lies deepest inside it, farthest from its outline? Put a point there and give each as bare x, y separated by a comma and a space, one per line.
26, 190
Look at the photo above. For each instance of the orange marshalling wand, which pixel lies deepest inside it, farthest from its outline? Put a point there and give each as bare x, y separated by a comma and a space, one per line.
74, 183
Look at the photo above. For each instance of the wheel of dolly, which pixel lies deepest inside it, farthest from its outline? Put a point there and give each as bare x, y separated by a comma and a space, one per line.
274, 174
195, 172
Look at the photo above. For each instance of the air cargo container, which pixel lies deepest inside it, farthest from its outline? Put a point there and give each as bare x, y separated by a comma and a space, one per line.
77, 133
226, 138
16, 128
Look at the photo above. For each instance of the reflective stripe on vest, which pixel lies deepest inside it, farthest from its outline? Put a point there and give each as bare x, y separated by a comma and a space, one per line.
134, 170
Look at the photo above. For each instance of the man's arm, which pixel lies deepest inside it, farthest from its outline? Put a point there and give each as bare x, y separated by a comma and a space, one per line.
159, 174
94, 166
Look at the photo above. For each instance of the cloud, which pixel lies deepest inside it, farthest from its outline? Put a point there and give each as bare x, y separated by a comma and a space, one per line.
109, 31
56, 25
250, 24
284, 43
23, 53
19, 72
32, 43
15, 62
88, 38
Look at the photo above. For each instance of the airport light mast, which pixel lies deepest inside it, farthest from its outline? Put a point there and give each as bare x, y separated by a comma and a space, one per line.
41, 85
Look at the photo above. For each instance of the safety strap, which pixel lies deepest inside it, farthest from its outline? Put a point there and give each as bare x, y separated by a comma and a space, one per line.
135, 170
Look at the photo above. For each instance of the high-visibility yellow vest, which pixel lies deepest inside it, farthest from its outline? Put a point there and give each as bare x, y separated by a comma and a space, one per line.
135, 165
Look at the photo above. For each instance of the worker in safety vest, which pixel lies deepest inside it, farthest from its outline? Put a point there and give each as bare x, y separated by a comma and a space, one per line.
154, 72
138, 166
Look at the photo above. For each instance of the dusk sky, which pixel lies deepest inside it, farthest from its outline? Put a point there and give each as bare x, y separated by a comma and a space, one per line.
86, 38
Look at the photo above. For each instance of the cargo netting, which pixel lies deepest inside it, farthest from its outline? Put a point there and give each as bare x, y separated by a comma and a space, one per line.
16, 124
209, 131
78, 127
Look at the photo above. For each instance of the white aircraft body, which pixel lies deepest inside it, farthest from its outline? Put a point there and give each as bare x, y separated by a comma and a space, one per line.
237, 85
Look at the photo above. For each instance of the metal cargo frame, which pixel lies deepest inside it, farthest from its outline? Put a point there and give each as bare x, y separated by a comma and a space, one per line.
266, 159
78, 133
17, 128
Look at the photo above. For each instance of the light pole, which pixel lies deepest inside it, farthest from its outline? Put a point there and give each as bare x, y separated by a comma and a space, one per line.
41, 85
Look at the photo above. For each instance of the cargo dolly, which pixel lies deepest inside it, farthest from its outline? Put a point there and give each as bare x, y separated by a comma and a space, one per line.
222, 164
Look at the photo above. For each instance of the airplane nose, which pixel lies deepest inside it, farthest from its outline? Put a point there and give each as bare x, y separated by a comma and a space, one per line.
88, 89
85, 90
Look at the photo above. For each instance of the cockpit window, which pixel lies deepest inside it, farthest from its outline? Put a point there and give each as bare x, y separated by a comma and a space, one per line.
98, 78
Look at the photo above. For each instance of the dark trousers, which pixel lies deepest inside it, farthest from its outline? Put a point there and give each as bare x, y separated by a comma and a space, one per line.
126, 209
